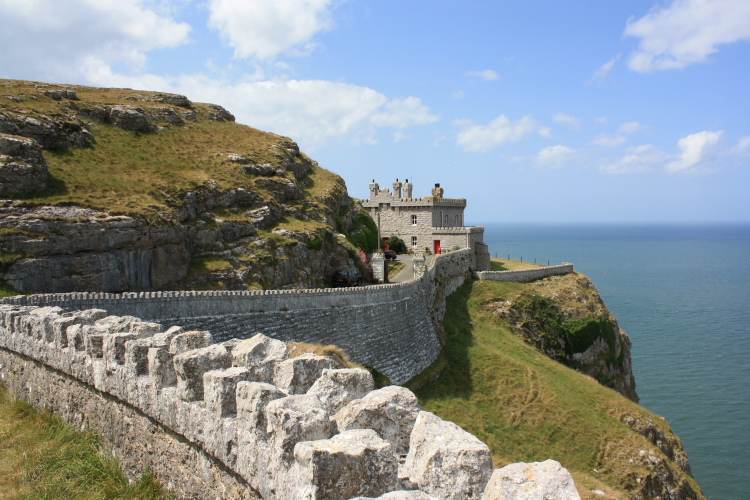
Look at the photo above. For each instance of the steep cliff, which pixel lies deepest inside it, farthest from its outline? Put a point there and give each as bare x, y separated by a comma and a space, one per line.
509, 380
565, 318
116, 190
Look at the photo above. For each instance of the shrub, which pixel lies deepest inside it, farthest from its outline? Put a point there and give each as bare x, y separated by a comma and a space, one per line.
396, 244
364, 234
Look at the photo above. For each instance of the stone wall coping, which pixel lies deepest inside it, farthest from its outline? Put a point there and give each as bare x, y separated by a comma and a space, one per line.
523, 275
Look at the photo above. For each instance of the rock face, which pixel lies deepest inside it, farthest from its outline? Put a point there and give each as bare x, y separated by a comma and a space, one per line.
565, 317
23, 169
74, 248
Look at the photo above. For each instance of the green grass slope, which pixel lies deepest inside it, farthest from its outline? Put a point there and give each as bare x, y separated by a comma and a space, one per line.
529, 408
42, 458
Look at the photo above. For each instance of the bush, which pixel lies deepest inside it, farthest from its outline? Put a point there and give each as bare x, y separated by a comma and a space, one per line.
364, 234
396, 244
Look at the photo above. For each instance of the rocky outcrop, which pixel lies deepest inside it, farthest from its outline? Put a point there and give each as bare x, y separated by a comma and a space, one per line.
280, 439
534, 481
566, 318
75, 248
23, 169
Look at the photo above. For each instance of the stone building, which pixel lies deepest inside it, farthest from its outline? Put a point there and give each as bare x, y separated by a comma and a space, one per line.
431, 223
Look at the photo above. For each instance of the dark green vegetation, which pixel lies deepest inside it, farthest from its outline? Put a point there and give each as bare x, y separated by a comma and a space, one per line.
41, 458
528, 408
364, 234
396, 244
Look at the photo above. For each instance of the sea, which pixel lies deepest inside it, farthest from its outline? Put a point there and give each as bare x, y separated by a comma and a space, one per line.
682, 294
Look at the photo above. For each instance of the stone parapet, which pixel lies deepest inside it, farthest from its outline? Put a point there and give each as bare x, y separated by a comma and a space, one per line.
525, 275
255, 423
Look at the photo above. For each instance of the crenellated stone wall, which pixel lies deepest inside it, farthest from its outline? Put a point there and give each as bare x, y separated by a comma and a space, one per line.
240, 419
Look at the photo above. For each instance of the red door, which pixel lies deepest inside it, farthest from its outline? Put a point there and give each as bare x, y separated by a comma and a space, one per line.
437, 247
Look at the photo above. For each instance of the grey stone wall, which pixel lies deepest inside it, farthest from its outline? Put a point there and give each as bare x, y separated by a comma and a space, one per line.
239, 419
390, 327
525, 275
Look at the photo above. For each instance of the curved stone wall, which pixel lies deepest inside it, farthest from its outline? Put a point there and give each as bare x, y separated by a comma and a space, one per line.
238, 419
390, 327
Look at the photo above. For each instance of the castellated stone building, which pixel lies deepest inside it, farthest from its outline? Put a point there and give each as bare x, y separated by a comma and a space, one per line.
431, 223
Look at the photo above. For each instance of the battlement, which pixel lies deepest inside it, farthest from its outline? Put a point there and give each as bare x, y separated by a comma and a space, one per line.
284, 427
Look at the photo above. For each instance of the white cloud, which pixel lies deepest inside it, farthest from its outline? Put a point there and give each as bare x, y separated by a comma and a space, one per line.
402, 113
697, 152
609, 141
685, 32
312, 112
630, 127
555, 156
743, 145
601, 74
569, 121
475, 137
265, 29
487, 75
51, 39
637, 159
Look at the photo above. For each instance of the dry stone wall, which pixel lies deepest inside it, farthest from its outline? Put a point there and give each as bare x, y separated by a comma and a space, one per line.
238, 419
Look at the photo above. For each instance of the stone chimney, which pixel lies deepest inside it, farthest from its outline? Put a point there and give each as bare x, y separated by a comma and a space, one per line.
437, 191
397, 189
374, 188
407, 189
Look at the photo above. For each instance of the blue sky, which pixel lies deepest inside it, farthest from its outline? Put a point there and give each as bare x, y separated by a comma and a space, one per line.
535, 111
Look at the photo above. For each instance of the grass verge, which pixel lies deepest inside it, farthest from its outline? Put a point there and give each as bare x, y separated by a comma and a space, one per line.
42, 458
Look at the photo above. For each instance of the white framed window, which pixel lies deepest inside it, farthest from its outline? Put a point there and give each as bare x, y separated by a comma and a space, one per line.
413, 219
413, 238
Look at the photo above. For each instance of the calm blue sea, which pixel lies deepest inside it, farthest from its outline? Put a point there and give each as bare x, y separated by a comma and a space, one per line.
682, 293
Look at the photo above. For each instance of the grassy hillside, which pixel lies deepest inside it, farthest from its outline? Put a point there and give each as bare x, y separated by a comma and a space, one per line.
43, 458
528, 408
137, 173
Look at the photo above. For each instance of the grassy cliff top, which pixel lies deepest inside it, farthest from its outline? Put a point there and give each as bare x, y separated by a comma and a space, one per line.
529, 408
136, 172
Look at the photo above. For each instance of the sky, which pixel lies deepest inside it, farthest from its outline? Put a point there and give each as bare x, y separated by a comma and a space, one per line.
534, 111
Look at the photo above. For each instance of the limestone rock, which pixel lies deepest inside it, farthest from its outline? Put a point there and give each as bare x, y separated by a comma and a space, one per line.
294, 419
401, 495
190, 367
219, 114
532, 481
336, 388
355, 462
22, 166
220, 389
297, 375
390, 411
252, 399
188, 341
446, 461
260, 355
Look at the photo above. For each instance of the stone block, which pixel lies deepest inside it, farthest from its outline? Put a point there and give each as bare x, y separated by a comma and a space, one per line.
446, 461
390, 411
161, 367
297, 375
220, 390
260, 355
352, 463
336, 388
76, 339
188, 341
294, 419
114, 347
136, 356
190, 367
401, 495
252, 399
531, 481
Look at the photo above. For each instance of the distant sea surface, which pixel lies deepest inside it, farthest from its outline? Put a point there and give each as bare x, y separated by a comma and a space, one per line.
682, 293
